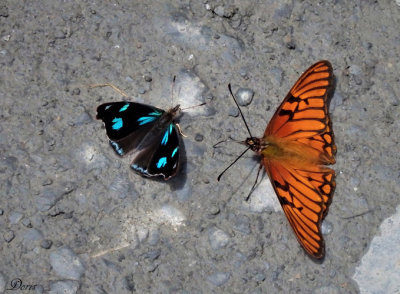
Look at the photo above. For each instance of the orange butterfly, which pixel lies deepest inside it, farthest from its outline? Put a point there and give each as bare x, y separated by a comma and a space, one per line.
297, 144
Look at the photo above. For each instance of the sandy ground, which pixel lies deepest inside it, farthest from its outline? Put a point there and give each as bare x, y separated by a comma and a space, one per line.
75, 219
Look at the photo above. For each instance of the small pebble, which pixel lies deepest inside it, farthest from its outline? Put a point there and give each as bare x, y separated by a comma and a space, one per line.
115, 267
76, 91
244, 96
242, 224
233, 111
39, 289
277, 75
171, 215
236, 21
259, 277
9, 236
65, 287
219, 10
33, 235
199, 137
217, 238
154, 237
129, 283
7, 38
142, 233
355, 70
46, 244
11, 162
15, 217
243, 72
267, 49
152, 255
66, 264
310, 276
214, 210
47, 182
238, 259
83, 118
291, 45
27, 222
326, 227
1, 211
151, 267
48, 199
148, 78
219, 278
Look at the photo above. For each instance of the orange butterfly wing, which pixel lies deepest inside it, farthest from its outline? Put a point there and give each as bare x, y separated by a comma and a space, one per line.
299, 142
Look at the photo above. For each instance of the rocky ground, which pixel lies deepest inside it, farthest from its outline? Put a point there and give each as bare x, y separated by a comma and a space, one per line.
75, 219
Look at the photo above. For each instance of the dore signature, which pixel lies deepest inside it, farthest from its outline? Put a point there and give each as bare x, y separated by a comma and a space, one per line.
17, 284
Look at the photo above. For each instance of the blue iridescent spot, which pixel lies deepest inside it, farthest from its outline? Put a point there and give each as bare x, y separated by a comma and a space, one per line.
167, 132
117, 148
161, 162
165, 138
117, 123
146, 119
125, 107
175, 150
155, 113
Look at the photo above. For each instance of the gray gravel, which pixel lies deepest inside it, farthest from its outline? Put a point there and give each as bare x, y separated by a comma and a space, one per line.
75, 219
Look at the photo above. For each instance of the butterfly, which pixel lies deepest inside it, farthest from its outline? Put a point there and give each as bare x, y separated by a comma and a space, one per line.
297, 145
148, 131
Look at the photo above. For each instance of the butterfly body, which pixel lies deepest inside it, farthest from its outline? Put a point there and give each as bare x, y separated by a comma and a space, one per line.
297, 144
148, 132
278, 149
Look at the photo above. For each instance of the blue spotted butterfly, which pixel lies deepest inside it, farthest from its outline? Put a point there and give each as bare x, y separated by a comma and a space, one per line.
147, 130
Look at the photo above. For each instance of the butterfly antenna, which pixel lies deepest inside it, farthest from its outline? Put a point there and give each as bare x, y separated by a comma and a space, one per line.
220, 175
201, 104
115, 88
172, 88
240, 111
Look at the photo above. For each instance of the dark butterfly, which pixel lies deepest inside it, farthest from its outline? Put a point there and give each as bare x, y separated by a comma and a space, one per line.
148, 131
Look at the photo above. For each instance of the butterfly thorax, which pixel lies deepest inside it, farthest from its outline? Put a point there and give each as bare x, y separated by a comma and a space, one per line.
256, 144
169, 115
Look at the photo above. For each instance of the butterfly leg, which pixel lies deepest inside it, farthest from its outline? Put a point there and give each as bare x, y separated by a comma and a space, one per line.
115, 88
180, 130
255, 183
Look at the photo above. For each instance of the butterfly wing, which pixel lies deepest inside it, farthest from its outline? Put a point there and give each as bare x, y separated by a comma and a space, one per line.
303, 116
305, 194
302, 124
160, 157
127, 123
